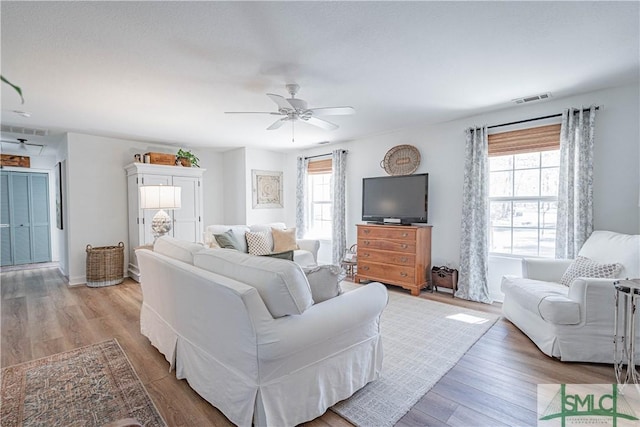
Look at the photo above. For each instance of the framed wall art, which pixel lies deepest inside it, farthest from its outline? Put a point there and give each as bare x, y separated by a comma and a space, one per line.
267, 189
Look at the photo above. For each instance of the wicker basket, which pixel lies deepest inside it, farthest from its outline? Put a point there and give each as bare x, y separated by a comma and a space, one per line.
105, 265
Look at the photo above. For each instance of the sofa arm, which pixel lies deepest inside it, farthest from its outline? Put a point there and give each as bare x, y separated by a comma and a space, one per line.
597, 298
547, 270
311, 245
323, 323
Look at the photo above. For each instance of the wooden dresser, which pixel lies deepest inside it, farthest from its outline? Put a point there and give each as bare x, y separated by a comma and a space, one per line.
396, 255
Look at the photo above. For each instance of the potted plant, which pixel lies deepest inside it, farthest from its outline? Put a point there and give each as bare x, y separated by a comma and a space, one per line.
187, 158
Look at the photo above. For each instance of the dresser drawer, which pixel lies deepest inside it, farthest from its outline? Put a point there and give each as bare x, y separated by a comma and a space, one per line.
386, 272
407, 259
397, 233
387, 245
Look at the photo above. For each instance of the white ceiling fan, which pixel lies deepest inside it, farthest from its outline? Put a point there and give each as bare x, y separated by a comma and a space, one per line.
293, 109
21, 146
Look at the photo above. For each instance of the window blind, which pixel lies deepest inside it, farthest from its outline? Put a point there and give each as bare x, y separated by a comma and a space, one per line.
319, 166
541, 138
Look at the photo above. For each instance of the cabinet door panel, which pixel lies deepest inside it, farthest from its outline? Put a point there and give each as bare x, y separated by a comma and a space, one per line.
187, 218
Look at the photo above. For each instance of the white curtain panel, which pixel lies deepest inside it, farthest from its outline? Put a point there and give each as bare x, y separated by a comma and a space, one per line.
575, 192
339, 232
301, 198
474, 248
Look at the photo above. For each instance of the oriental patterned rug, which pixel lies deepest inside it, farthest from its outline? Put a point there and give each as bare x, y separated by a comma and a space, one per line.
88, 386
421, 340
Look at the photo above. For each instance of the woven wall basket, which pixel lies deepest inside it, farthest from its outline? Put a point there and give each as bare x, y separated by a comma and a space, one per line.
105, 265
401, 160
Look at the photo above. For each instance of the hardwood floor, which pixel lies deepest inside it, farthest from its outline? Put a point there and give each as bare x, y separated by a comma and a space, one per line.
493, 384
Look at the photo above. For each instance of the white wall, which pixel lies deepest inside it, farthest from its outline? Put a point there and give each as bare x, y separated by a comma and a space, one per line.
235, 184
213, 185
616, 166
96, 193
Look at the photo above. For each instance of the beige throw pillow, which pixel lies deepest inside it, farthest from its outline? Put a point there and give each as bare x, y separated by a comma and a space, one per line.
284, 240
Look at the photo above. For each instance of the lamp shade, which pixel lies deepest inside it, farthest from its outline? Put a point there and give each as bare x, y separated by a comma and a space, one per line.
160, 197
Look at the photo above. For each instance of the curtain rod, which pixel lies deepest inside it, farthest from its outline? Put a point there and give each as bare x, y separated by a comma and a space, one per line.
534, 119
322, 155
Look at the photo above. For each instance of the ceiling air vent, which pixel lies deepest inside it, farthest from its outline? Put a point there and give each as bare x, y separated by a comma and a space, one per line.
24, 130
532, 98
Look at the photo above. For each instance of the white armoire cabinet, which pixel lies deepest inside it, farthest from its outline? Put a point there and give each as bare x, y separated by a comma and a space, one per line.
187, 221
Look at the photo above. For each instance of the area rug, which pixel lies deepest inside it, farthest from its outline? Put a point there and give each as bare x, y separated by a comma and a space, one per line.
88, 386
421, 340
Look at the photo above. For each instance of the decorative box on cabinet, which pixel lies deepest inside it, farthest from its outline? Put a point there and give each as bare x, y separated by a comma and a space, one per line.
396, 255
187, 221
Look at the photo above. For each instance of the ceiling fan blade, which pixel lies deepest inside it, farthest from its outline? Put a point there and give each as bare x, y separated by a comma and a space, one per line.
281, 101
333, 111
321, 123
252, 112
277, 124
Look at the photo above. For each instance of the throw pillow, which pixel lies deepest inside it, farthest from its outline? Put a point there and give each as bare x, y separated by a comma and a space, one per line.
210, 240
227, 240
284, 240
288, 255
324, 281
585, 267
258, 243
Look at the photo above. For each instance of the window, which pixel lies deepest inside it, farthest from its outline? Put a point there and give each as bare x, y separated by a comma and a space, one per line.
319, 197
523, 194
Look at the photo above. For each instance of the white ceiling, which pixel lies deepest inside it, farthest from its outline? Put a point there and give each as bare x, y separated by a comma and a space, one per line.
167, 71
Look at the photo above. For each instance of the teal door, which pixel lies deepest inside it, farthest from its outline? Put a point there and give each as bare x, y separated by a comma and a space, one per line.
24, 218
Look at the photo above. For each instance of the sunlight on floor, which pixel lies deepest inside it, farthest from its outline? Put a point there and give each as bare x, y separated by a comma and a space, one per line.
467, 318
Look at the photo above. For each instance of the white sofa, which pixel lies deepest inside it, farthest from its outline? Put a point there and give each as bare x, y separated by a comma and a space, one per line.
575, 322
305, 256
254, 344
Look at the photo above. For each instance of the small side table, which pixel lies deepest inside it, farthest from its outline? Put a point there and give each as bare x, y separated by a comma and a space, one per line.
350, 267
624, 348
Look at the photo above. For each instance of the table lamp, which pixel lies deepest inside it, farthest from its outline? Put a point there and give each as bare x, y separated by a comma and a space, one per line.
160, 197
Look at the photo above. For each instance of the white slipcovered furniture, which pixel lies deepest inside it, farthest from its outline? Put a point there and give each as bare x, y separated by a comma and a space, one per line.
305, 256
244, 332
575, 322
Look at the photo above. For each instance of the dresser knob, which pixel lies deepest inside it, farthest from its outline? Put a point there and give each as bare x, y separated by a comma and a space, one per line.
366, 242
405, 234
365, 268
366, 231
404, 246
403, 274
404, 259
365, 255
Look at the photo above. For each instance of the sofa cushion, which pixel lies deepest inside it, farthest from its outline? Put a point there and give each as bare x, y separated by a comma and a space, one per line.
585, 267
324, 281
607, 247
284, 240
257, 242
227, 240
548, 300
281, 284
177, 249
237, 230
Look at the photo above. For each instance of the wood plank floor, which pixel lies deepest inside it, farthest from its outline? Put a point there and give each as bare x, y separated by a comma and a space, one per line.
493, 384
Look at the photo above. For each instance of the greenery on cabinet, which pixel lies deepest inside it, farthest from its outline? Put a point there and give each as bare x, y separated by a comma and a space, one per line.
191, 159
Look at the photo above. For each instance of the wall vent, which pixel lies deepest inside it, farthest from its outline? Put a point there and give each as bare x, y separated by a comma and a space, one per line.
25, 131
532, 98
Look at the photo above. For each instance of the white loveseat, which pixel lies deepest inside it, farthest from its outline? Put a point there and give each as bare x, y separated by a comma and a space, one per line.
244, 332
305, 256
575, 322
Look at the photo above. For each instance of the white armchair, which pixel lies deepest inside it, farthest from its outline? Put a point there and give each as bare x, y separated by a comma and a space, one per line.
575, 322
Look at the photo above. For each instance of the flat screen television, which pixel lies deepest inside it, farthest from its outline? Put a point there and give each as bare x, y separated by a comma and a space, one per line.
395, 199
